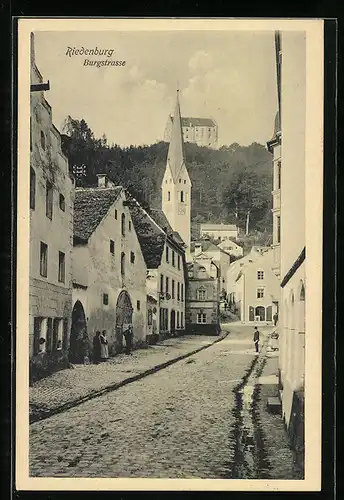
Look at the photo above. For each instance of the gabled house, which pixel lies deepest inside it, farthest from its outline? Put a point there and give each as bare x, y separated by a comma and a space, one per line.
231, 248
109, 270
203, 296
219, 256
254, 292
164, 255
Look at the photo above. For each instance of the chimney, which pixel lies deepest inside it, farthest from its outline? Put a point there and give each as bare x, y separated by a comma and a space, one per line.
198, 249
104, 181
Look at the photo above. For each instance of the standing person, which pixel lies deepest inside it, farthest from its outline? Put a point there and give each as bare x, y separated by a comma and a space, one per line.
104, 348
256, 339
128, 335
275, 319
96, 348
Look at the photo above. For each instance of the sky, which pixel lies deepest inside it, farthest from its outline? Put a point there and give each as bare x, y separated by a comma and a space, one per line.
227, 76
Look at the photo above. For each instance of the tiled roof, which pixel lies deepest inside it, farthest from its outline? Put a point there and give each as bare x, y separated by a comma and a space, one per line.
161, 219
90, 207
150, 235
206, 245
218, 227
197, 122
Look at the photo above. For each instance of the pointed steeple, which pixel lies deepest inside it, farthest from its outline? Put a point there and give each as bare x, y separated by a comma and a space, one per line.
175, 157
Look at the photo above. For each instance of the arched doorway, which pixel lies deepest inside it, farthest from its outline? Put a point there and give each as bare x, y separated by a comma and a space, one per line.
124, 317
260, 312
77, 334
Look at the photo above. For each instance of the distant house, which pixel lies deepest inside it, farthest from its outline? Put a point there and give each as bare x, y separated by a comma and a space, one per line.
219, 256
164, 254
109, 271
253, 288
203, 296
200, 131
231, 248
221, 232
51, 216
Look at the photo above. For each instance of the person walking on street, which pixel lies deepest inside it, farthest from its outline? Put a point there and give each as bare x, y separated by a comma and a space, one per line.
104, 348
275, 319
128, 335
96, 348
256, 339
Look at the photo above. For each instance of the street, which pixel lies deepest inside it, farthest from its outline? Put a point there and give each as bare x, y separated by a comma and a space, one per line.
177, 423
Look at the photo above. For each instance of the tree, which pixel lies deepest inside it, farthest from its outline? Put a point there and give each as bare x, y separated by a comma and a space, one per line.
246, 196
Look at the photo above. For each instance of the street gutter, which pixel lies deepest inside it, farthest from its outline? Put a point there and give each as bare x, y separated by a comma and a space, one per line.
42, 414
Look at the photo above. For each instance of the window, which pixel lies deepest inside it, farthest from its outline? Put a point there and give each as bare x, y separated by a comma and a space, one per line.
62, 266
181, 320
182, 196
178, 261
49, 200
57, 334
122, 263
32, 188
178, 291
37, 334
182, 292
112, 247
62, 202
168, 196
161, 283
180, 181
184, 181
123, 225
130, 225
167, 254
105, 299
178, 324
49, 335
278, 229
138, 305
201, 294
173, 289
132, 257
173, 258
260, 275
201, 318
116, 214
43, 140
44, 260
260, 293
167, 284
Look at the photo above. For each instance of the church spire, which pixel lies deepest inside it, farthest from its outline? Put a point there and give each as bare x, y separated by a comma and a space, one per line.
175, 157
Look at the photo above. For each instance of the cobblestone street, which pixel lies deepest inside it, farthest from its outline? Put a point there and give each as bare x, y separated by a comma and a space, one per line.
176, 423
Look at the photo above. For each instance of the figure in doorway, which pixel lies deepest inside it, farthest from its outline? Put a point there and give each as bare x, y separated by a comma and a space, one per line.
256, 339
96, 348
128, 335
104, 347
275, 317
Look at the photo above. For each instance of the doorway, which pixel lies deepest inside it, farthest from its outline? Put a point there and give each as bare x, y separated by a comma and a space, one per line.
78, 330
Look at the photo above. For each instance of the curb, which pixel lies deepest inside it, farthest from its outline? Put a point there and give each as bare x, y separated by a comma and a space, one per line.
71, 404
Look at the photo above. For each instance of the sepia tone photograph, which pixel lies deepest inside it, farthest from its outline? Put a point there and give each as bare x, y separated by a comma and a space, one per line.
164, 180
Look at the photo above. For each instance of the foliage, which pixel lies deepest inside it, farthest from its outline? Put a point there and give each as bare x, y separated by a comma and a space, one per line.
213, 173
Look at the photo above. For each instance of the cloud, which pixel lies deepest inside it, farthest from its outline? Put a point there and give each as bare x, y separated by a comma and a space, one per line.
201, 61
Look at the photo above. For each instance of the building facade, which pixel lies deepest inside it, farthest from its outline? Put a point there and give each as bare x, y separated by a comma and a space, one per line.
109, 271
222, 232
164, 254
51, 232
219, 257
200, 131
253, 288
203, 296
289, 150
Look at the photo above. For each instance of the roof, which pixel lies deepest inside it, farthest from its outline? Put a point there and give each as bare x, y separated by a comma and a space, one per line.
160, 218
175, 156
218, 227
227, 244
197, 122
90, 207
206, 245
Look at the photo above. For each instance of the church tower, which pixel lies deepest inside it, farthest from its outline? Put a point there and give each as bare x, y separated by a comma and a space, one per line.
176, 184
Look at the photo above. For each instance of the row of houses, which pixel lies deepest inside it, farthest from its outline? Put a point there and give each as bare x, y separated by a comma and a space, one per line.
100, 261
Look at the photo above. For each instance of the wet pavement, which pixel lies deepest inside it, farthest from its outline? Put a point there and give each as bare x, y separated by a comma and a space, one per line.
198, 418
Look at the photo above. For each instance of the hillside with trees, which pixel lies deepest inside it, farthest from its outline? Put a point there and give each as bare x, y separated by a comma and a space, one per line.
230, 185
